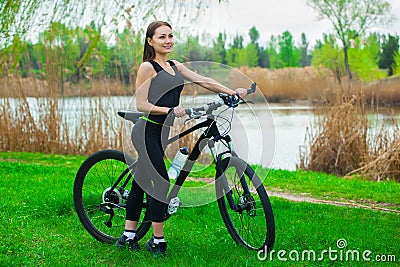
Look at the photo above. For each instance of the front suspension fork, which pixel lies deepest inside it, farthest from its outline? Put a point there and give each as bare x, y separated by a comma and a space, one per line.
221, 181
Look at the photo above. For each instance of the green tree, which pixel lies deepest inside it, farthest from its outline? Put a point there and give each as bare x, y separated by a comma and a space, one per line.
60, 37
396, 65
261, 53
126, 55
22, 18
236, 48
351, 18
289, 54
364, 58
247, 56
196, 51
390, 46
232, 56
237, 41
219, 50
305, 57
328, 55
273, 59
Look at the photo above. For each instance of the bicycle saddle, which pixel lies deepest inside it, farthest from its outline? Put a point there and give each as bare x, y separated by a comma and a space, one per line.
130, 115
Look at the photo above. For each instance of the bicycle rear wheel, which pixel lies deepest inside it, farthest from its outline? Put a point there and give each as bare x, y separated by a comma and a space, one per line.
101, 189
252, 223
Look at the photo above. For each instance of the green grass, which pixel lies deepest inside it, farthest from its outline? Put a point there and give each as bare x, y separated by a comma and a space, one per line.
38, 225
330, 187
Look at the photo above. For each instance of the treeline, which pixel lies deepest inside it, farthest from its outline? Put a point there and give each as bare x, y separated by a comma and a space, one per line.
83, 53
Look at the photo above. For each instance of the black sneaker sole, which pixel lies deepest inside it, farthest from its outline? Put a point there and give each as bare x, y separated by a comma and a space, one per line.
156, 252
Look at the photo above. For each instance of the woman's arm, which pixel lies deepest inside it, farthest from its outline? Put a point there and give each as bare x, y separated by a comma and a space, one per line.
143, 80
207, 82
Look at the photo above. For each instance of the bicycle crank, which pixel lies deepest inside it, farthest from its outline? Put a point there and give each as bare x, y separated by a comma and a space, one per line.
173, 205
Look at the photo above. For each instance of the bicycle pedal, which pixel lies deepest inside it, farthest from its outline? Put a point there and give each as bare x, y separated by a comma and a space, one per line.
173, 205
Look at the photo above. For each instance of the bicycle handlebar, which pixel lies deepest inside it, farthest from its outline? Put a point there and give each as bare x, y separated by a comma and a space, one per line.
229, 100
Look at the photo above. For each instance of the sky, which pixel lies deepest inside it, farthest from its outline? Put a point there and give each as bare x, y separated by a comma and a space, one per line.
273, 17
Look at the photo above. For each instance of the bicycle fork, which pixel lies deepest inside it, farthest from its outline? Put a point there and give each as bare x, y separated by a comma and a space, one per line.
221, 181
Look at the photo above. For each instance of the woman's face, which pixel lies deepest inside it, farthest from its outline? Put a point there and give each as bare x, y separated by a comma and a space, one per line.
162, 40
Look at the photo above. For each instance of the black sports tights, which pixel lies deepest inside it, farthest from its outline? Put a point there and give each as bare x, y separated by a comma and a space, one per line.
151, 174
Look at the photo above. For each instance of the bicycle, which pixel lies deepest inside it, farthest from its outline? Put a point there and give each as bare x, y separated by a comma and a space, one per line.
102, 184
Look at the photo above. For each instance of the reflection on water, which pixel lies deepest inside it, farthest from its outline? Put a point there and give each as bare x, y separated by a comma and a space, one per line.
269, 135
291, 122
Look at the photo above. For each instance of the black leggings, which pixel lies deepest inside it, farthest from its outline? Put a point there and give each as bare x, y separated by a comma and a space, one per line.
151, 174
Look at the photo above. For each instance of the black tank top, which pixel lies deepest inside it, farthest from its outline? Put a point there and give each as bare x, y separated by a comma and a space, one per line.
165, 89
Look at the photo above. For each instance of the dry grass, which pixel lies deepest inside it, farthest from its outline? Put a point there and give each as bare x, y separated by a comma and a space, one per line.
383, 160
287, 84
339, 140
15, 86
384, 92
37, 124
293, 84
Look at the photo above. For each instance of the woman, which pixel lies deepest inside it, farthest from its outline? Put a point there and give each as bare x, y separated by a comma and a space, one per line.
159, 83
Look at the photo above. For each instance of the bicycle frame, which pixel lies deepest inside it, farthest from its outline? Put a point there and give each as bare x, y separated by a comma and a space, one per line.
213, 135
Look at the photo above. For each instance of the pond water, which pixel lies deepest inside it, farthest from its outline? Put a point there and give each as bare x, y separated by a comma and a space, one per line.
267, 134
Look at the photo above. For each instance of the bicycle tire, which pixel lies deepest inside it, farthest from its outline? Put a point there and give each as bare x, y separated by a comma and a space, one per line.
92, 185
253, 226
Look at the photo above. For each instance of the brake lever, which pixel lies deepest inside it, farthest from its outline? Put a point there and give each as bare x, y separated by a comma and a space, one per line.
193, 115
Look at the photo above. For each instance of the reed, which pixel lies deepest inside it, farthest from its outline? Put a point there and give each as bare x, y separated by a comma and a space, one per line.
338, 140
341, 140
383, 92
38, 124
284, 85
294, 84
32, 117
383, 159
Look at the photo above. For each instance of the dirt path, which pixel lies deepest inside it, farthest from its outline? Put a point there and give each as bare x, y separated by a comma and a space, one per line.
366, 205
369, 205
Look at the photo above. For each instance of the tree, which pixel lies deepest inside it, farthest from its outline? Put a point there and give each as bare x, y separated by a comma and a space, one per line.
273, 60
232, 55
305, 57
261, 53
351, 18
237, 41
289, 54
219, 51
30, 17
390, 45
247, 56
396, 67
254, 35
364, 58
327, 54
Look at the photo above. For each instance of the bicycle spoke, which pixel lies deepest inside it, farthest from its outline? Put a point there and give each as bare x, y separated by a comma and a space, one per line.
92, 191
248, 224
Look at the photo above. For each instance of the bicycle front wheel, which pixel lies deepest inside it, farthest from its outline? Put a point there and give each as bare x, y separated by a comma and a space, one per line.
244, 205
101, 188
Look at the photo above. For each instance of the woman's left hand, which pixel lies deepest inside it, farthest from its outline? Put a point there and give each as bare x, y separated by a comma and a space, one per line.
241, 92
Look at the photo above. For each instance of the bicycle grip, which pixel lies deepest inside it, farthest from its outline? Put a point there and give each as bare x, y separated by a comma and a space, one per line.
189, 111
252, 88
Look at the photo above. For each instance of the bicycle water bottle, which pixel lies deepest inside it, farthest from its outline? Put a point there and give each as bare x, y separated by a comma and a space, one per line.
178, 162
